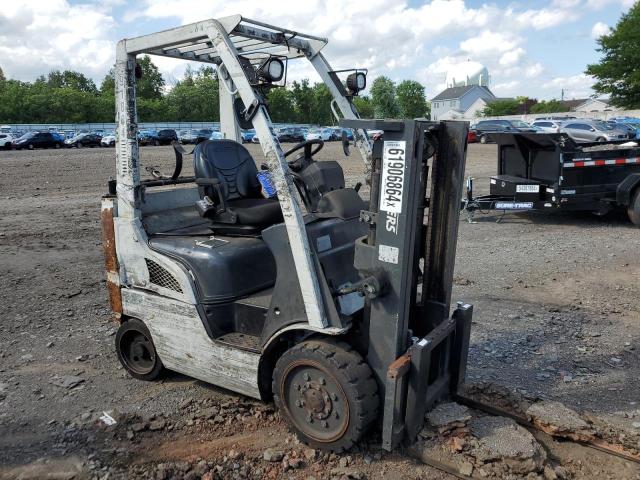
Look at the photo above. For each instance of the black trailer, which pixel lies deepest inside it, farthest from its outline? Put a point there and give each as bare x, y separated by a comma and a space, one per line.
549, 171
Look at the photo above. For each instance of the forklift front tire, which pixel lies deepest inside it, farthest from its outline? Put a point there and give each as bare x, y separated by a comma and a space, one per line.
633, 210
136, 350
326, 393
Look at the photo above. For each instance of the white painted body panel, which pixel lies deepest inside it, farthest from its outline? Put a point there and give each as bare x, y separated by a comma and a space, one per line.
184, 346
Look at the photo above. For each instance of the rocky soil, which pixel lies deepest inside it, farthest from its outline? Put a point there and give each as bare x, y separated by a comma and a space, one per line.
556, 318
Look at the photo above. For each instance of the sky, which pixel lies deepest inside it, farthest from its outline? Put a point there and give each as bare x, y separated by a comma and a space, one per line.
531, 48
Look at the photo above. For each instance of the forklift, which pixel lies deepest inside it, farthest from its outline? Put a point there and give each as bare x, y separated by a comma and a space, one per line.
279, 282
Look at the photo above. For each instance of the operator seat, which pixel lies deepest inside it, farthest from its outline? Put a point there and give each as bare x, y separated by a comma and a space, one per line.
225, 168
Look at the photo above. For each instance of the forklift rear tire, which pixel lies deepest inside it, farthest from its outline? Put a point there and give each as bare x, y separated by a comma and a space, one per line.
634, 208
136, 350
326, 393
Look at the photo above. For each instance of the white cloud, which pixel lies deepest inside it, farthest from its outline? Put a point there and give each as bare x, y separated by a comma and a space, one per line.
489, 42
599, 29
512, 57
534, 70
545, 18
37, 36
574, 86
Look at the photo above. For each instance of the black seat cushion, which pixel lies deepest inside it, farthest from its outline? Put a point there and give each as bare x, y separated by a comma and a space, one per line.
257, 211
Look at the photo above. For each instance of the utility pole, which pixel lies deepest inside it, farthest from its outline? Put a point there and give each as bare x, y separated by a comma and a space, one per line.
562, 95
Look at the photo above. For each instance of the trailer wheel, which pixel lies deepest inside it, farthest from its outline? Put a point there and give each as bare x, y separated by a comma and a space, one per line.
633, 210
136, 350
326, 393
483, 139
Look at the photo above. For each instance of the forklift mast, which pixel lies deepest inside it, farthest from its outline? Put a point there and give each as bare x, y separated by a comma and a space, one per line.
418, 354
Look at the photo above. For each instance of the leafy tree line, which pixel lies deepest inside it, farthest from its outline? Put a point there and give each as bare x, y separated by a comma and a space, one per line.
71, 97
521, 105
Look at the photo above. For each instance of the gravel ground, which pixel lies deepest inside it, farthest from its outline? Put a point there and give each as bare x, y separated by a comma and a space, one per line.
556, 316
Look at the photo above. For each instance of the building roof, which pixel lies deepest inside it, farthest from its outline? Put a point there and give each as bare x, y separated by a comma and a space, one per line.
457, 92
572, 104
497, 99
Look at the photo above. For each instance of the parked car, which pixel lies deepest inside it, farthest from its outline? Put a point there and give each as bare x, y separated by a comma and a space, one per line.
548, 126
59, 136
561, 118
148, 137
33, 140
166, 136
592, 131
84, 140
188, 136
319, 133
216, 135
631, 129
6, 139
203, 134
485, 127
291, 134
109, 140
247, 135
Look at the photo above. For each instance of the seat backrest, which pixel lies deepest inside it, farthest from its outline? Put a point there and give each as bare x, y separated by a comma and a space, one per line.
231, 164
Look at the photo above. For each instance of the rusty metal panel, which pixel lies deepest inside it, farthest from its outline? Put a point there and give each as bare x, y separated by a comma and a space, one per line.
110, 256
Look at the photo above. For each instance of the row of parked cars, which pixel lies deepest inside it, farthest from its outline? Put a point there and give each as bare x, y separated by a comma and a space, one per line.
579, 129
300, 134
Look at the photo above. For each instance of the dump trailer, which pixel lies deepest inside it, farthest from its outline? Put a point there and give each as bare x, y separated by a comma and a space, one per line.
280, 282
549, 171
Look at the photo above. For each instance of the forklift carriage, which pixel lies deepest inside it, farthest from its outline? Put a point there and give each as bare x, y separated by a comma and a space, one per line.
337, 310
545, 171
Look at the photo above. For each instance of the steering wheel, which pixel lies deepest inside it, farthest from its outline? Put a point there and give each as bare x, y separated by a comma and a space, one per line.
308, 151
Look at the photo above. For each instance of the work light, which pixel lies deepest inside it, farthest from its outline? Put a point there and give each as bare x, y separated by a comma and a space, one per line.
356, 82
271, 70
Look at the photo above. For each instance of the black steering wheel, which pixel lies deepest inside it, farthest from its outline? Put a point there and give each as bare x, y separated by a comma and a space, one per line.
308, 151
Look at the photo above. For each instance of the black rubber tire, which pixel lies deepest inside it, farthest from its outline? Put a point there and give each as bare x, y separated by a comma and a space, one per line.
633, 210
342, 365
30, 146
156, 143
483, 139
79, 145
133, 326
601, 139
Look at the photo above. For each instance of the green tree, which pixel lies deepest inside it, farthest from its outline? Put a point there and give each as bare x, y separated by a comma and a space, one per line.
411, 99
383, 96
2, 77
303, 100
195, 98
550, 106
365, 107
151, 85
617, 73
322, 98
69, 79
281, 106
501, 107
108, 85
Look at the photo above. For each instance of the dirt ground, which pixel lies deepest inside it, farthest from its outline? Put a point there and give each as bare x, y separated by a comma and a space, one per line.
556, 316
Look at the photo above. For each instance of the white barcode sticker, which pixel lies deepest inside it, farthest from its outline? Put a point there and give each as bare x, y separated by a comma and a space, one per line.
392, 184
387, 253
527, 188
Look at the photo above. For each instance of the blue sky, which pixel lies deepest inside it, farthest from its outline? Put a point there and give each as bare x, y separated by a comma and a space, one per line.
534, 48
